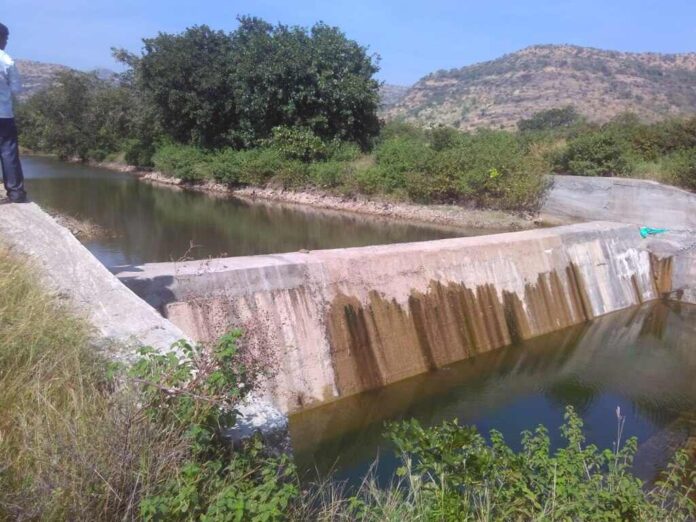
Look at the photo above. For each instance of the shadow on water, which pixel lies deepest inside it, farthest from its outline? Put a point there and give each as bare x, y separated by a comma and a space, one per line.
641, 359
153, 223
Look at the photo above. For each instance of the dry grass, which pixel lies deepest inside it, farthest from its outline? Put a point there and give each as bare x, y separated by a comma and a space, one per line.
71, 446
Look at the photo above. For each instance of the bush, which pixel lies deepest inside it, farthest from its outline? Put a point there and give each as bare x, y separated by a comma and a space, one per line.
298, 143
681, 166
551, 119
397, 156
328, 174
462, 476
491, 168
342, 151
139, 153
594, 154
442, 138
181, 161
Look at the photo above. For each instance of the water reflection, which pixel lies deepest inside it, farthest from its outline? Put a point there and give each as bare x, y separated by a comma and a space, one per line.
642, 360
153, 223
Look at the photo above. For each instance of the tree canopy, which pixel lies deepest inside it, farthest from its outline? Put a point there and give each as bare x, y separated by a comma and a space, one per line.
211, 88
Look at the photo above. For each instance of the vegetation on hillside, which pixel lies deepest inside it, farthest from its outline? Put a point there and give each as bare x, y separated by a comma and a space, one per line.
84, 439
601, 84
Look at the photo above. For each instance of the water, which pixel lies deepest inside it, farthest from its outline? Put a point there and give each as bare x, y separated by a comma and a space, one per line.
150, 223
642, 360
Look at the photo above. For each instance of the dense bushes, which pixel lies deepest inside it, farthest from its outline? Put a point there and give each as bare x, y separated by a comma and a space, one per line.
493, 169
628, 147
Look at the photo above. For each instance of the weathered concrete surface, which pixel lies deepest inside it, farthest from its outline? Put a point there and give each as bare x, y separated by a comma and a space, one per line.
336, 322
573, 199
69, 269
675, 258
119, 316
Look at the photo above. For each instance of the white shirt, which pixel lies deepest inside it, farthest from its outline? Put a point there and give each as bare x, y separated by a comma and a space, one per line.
10, 84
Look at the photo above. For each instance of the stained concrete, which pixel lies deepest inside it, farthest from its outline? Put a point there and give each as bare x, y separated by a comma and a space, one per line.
336, 322
573, 199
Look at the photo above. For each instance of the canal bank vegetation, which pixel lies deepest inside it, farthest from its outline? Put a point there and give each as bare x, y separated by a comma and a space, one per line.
85, 439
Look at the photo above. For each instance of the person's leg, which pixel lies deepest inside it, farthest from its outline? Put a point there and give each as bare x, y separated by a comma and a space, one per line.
12, 175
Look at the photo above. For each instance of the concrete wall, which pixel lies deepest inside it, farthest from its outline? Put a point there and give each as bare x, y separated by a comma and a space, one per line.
336, 322
67, 268
572, 199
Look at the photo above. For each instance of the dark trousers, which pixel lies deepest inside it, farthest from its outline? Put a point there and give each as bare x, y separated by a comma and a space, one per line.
12, 175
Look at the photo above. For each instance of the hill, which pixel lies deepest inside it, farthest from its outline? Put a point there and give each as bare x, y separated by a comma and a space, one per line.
37, 75
599, 83
390, 95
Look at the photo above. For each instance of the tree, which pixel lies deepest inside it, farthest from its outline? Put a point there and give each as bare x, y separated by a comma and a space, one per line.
550, 119
79, 116
187, 80
211, 89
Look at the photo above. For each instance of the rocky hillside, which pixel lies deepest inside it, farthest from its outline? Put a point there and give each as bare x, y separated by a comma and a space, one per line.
390, 95
37, 75
600, 84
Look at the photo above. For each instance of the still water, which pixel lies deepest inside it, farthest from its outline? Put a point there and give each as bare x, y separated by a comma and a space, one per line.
150, 223
642, 360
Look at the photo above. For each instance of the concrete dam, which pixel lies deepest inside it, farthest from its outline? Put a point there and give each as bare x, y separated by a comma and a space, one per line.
333, 323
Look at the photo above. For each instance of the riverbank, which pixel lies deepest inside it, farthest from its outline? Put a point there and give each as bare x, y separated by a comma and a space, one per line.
451, 216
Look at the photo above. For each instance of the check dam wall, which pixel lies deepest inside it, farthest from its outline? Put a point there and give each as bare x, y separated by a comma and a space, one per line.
331, 323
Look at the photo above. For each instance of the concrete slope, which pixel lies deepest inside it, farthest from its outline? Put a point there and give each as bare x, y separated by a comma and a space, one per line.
333, 323
573, 199
71, 271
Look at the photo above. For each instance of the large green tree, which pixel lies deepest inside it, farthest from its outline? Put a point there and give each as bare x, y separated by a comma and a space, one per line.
210, 88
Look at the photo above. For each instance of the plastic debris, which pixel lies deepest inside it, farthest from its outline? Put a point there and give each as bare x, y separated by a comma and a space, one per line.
648, 231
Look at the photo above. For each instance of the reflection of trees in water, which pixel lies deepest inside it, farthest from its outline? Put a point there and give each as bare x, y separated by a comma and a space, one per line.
156, 223
572, 392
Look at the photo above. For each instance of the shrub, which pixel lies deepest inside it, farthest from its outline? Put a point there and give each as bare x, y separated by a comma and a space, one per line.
551, 119
139, 153
397, 156
442, 138
461, 476
401, 129
594, 154
491, 168
298, 143
181, 161
328, 174
342, 151
681, 166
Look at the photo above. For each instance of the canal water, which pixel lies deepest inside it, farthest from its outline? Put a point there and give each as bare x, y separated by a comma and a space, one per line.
150, 223
641, 360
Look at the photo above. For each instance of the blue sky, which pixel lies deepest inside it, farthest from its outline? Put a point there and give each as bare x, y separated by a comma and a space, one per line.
412, 37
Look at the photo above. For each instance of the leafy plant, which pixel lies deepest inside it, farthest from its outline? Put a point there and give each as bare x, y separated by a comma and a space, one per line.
463, 476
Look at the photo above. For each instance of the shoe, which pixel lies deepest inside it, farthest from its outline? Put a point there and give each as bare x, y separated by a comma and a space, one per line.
18, 199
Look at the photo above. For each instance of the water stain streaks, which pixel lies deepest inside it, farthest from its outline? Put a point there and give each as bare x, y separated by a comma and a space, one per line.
662, 273
381, 342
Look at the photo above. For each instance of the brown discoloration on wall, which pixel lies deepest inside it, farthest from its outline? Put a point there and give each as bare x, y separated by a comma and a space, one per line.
381, 342
662, 273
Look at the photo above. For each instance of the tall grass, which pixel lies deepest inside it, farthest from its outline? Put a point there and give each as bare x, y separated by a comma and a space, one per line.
71, 448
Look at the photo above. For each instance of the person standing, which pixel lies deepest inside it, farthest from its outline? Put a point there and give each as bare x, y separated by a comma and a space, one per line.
10, 84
